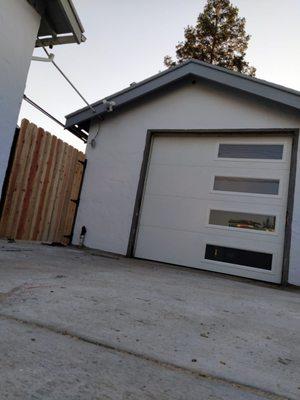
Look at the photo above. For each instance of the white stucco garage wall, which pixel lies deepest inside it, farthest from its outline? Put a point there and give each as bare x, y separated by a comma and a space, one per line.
113, 168
19, 24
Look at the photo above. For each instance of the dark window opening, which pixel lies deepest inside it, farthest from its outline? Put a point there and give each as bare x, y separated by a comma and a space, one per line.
254, 151
231, 255
246, 185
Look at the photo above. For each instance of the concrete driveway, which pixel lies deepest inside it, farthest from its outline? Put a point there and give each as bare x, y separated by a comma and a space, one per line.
80, 325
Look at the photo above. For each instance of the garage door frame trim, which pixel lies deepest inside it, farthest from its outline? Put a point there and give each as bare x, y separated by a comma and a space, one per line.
151, 133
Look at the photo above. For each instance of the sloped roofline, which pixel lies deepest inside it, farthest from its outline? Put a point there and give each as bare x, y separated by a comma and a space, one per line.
192, 68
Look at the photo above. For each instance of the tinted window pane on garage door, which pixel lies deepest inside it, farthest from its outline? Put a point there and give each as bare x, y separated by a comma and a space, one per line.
235, 219
254, 151
246, 185
238, 256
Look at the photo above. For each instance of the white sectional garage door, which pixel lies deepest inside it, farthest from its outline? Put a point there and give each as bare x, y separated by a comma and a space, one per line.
217, 203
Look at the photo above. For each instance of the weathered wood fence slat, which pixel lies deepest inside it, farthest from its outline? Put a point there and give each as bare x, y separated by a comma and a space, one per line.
45, 179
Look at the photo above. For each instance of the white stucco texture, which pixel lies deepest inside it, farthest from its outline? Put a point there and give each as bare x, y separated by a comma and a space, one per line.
19, 24
113, 167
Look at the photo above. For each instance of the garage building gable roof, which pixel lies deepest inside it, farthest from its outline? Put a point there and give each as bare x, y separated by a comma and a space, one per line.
193, 69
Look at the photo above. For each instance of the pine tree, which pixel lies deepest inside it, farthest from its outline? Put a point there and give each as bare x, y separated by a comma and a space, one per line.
219, 38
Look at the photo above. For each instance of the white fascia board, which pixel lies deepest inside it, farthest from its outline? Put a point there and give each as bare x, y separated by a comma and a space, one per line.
73, 19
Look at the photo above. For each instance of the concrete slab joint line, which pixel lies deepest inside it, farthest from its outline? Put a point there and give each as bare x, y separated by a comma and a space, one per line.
98, 327
162, 363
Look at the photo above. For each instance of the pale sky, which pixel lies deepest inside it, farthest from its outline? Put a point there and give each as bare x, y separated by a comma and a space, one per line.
128, 39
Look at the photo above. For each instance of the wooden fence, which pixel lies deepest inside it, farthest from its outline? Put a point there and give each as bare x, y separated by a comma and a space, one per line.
42, 188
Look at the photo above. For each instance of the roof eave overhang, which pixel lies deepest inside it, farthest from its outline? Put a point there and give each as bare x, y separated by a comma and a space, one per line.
72, 17
65, 12
229, 79
56, 40
123, 98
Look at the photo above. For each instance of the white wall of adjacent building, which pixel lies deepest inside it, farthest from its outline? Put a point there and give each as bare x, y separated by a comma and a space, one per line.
19, 24
113, 167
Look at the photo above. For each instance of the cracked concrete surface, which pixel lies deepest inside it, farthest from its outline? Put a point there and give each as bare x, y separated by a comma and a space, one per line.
76, 325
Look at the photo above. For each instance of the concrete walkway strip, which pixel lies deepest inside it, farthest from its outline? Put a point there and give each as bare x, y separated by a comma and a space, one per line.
160, 362
76, 321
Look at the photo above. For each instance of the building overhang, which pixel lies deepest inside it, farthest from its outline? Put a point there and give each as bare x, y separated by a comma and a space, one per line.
60, 23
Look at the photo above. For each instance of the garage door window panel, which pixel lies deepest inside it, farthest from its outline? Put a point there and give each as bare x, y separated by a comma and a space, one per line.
247, 185
241, 220
230, 255
251, 151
